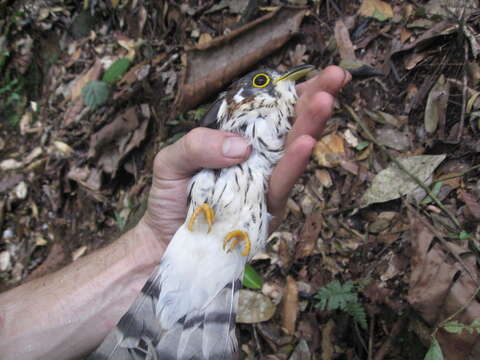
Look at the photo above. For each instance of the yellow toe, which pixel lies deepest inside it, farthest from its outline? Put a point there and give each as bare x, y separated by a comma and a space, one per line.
207, 212
237, 236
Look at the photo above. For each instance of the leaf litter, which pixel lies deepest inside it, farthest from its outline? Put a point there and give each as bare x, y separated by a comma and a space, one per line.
354, 217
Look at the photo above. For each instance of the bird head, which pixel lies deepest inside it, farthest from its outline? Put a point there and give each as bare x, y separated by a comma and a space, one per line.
254, 96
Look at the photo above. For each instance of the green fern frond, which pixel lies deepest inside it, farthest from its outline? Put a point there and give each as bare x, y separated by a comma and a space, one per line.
356, 310
338, 296
335, 296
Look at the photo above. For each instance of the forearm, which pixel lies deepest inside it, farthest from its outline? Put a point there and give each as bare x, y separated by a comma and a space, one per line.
66, 314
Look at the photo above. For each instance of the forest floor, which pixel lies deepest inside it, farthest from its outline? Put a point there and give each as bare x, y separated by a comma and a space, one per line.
378, 255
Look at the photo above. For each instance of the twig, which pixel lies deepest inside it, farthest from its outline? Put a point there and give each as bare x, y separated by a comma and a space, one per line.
458, 175
464, 94
257, 340
370, 338
401, 167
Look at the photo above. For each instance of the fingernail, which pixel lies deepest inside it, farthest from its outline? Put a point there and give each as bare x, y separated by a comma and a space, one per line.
347, 78
235, 147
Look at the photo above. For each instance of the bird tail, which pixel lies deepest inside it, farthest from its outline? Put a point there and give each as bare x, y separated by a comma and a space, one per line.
207, 333
138, 331
182, 312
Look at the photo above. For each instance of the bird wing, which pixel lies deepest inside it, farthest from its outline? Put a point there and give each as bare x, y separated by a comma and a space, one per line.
189, 303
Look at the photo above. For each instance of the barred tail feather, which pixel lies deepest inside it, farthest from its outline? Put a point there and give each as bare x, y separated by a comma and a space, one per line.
138, 331
212, 330
182, 312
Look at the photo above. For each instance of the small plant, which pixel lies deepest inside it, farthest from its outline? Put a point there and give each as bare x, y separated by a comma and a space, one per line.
95, 93
12, 99
338, 296
454, 327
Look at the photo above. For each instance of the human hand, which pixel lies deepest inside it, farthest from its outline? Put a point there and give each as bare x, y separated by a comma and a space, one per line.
206, 148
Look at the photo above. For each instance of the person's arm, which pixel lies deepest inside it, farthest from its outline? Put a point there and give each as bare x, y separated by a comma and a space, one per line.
66, 314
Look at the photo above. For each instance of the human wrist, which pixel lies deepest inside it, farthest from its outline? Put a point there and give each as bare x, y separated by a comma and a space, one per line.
150, 247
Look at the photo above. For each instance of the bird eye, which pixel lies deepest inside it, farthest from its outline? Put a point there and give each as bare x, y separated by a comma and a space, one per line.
260, 80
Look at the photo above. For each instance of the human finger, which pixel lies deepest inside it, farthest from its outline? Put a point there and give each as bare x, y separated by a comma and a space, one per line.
200, 148
313, 112
331, 79
288, 171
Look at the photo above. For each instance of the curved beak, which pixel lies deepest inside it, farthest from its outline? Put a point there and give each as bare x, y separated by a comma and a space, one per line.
294, 73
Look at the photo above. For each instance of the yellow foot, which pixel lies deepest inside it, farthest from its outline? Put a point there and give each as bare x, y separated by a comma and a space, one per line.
207, 211
237, 235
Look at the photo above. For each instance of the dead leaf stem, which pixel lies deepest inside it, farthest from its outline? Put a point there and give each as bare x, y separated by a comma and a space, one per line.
401, 167
464, 94
458, 175
370, 338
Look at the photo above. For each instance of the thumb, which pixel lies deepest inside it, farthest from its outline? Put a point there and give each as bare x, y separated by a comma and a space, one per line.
200, 148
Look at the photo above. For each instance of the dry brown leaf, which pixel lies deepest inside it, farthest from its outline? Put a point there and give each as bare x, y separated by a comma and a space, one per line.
301, 352
393, 138
405, 35
328, 342
365, 153
344, 44
436, 107
392, 182
309, 235
324, 177
329, 150
211, 67
9, 180
90, 178
454, 182
253, 307
473, 204
377, 9
10, 164
413, 60
111, 133
290, 306
112, 143
435, 295
427, 38
204, 40
92, 74
74, 112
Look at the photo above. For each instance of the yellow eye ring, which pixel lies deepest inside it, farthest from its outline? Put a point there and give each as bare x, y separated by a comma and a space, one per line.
261, 80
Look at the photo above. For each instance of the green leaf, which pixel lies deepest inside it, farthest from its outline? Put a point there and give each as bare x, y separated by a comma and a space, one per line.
116, 71
95, 93
435, 351
335, 296
475, 325
454, 327
379, 15
362, 145
463, 235
435, 191
356, 310
251, 279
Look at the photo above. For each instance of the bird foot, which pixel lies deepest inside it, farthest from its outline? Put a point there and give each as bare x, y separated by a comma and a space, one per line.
209, 216
237, 236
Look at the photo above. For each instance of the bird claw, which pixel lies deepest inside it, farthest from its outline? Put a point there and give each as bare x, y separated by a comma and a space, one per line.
237, 235
209, 216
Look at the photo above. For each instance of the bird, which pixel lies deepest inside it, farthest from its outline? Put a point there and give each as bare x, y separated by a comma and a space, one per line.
187, 308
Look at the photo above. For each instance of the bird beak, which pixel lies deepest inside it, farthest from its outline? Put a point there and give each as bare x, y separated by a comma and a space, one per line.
294, 73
